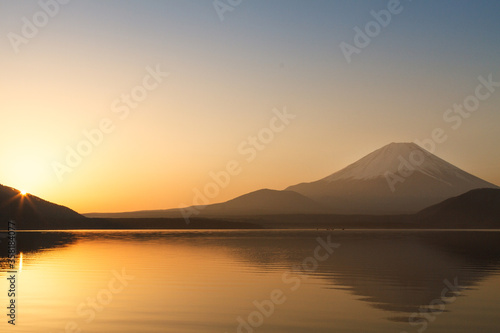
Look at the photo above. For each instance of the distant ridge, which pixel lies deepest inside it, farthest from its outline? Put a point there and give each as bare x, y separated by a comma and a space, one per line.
33, 213
267, 201
260, 202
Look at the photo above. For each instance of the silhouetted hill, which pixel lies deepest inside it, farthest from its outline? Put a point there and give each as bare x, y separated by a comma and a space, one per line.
32, 212
266, 202
475, 209
480, 208
260, 202
170, 223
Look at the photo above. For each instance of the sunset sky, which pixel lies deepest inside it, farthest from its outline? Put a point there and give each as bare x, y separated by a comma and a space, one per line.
227, 81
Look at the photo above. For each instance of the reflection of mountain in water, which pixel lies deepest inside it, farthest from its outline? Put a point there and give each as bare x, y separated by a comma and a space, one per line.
396, 271
401, 272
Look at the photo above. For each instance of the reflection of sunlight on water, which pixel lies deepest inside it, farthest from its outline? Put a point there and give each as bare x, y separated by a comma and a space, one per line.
20, 261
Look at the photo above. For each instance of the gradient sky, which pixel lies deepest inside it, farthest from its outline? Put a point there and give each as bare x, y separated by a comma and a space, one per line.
226, 77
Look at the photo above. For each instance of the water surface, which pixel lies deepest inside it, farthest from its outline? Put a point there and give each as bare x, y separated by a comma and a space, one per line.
256, 281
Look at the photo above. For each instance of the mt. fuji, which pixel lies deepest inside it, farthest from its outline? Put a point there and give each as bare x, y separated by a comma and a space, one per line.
397, 178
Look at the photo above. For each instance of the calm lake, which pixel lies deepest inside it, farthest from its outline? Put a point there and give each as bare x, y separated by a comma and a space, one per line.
255, 281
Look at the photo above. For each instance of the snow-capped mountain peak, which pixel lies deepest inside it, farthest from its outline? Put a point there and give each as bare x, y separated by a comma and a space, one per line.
397, 158
397, 178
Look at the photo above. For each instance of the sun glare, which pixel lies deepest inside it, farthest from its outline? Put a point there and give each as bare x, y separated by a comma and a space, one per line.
23, 192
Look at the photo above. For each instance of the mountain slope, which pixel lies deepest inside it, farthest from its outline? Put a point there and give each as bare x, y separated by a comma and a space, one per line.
266, 201
480, 208
31, 212
260, 202
397, 178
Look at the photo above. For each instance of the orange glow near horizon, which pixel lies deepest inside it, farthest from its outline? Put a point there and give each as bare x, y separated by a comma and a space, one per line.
225, 80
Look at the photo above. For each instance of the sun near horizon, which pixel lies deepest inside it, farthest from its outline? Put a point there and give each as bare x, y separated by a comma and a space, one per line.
104, 113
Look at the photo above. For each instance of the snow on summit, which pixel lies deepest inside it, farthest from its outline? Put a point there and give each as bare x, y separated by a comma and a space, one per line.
400, 157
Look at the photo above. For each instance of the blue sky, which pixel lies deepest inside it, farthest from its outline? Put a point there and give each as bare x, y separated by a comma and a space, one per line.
225, 79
